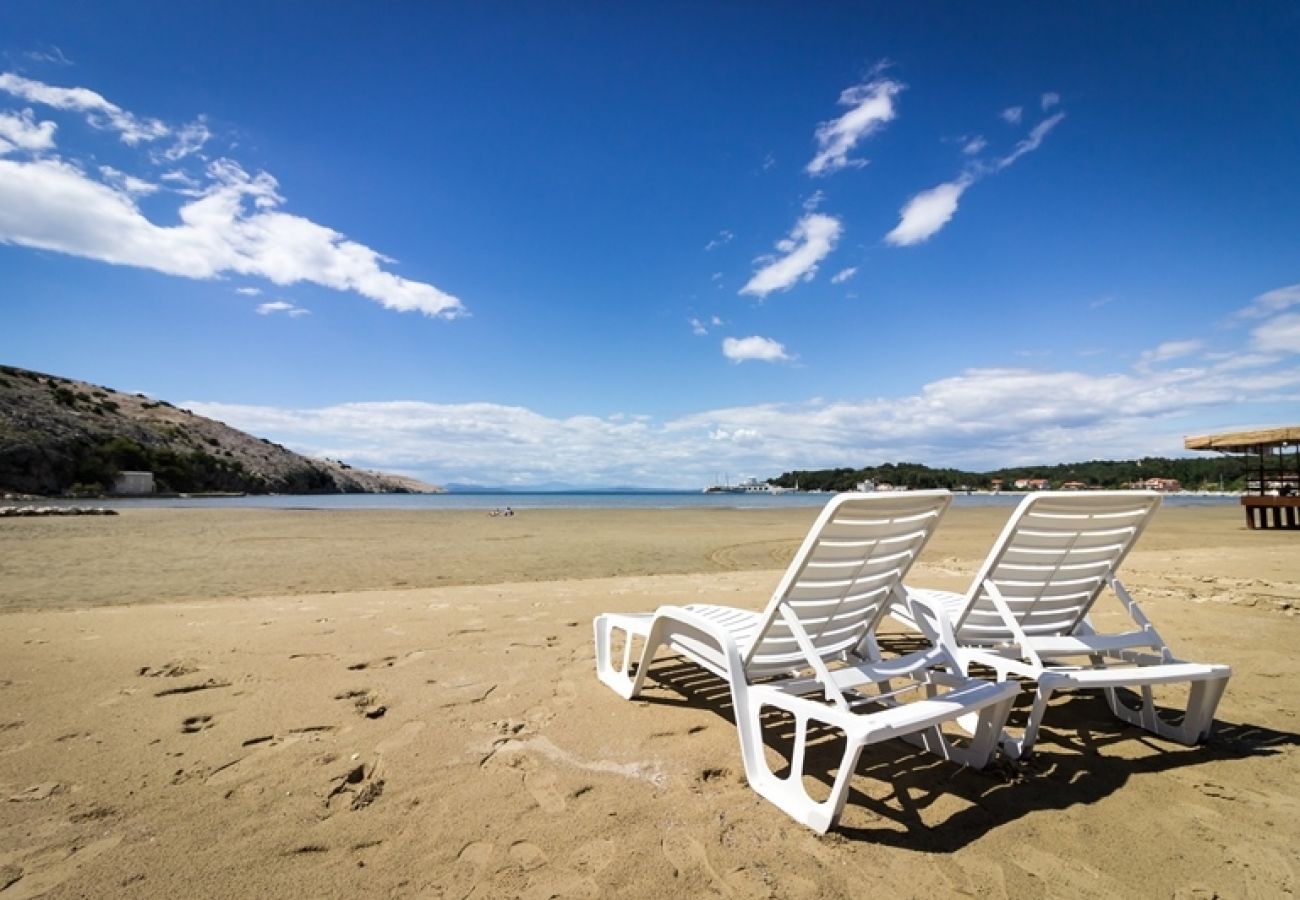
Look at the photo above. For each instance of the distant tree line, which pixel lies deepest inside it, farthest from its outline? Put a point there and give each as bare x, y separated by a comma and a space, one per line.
1199, 473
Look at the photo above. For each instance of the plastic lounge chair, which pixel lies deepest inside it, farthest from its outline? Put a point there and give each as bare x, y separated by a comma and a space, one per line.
1026, 614
816, 637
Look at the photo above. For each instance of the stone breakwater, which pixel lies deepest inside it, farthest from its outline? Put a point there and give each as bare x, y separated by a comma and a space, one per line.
6, 511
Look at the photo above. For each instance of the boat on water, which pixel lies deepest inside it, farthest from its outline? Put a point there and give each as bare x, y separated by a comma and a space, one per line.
746, 486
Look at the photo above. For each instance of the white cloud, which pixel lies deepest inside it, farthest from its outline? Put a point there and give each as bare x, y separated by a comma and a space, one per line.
184, 184
844, 275
814, 236
282, 306
233, 227
1170, 350
98, 111
974, 146
724, 237
1032, 142
977, 418
189, 140
248, 291
1271, 302
1012, 114
739, 436
129, 184
813, 200
474, 442
700, 326
1050, 99
927, 212
51, 54
871, 106
20, 131
1278, 335
740, 350
231, 223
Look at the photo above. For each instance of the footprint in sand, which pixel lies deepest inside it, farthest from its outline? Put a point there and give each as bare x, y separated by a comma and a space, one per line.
9, 873
208, 685
413, 657
1196, 892
356, 788
538, 717
462, 692
594, 856
195, 724
713, 776
475, 854
561, 885
174, 669
543, 785
1217, 791
117, 697
43, 791
527, 856
246, 768
45, 879
687, 856
1267, 872
565, 693
366, 702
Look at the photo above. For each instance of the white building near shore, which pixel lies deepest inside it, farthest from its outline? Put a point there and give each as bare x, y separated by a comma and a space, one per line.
133, 483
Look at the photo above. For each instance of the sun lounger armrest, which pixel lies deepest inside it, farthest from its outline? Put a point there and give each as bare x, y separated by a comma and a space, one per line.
932, 619
1139, 618
695, 620
672, 624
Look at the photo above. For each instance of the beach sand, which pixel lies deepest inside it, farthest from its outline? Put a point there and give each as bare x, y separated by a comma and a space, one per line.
200, 703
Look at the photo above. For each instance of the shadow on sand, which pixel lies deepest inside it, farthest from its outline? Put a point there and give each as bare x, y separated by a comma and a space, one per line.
1068, 767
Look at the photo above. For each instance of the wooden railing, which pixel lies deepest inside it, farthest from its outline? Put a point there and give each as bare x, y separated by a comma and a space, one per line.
1272, 512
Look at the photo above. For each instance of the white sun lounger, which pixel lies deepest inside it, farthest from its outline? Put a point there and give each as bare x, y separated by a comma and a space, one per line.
815, 640
1026, 614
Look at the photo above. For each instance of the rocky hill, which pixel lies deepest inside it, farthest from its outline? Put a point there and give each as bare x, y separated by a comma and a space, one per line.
60, 436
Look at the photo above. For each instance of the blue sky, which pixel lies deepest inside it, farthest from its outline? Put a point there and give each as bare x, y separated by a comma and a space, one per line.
512, 243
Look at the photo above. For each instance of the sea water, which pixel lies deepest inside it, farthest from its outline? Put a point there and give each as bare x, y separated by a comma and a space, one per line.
525, 500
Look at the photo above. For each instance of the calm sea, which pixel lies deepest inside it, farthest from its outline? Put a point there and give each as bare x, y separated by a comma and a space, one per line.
524, 500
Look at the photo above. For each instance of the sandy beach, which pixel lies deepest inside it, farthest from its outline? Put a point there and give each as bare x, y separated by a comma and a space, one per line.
326, 703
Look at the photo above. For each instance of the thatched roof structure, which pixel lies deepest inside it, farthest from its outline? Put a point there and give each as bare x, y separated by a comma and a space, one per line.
1246, 441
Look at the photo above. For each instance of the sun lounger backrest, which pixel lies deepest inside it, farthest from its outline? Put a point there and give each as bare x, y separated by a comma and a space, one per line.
1052, 561
841, 580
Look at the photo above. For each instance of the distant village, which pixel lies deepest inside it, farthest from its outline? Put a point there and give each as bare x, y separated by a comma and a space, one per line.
997, 485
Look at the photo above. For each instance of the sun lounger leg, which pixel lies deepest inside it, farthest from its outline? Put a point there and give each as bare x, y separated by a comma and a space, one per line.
619, 679
1016, 748
789, 793
986, 730
988, 705
1198, 721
